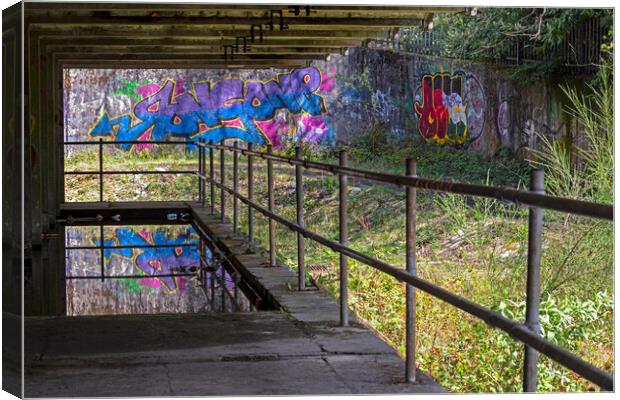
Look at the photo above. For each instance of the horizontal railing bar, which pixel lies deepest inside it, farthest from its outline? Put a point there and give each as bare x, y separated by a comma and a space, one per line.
130, 276
131, 246
83, 142
520, 197
130, 172
516, 330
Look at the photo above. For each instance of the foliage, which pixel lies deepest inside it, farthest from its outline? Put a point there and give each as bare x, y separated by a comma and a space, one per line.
474, 247
582, 171
491, 34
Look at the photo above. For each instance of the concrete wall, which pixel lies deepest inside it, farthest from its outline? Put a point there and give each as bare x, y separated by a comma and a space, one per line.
400, 96
488, 109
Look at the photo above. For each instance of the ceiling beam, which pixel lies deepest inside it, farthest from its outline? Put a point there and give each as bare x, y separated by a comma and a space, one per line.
301, 22
137, 64
141, 49
191, 41
199, 31
136, 9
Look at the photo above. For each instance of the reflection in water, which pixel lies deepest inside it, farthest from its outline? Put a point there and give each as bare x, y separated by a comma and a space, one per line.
154, 269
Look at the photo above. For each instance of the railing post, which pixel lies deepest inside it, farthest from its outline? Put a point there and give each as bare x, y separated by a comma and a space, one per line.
534, 250
410, 339
200, 194
100, 169
102, 251
250, 196
223, 287
301, 255
271, 200
212, 273
211, 176
222, 181
204, 173
344, 265
235, 185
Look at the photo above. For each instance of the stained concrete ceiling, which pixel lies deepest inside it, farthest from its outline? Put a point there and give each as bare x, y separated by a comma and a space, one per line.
194, 35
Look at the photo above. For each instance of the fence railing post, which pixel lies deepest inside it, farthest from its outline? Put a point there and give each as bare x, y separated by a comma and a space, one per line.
250, 196
204, 173
100, 169
344, 263
102, 251
223, 286
271, 200
211, 177
200, 172
534, 252
212, 273
410, 340
222, 181
301, 254
235, 186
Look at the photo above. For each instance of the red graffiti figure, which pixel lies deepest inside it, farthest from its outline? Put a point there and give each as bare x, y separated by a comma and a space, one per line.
433, 115
441, 114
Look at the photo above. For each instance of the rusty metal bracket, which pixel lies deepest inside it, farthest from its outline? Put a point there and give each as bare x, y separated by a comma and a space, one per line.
260, 32
245, 43
296, 10
283, 26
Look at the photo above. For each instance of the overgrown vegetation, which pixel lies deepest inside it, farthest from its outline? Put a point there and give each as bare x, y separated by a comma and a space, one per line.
492, 33
474, 247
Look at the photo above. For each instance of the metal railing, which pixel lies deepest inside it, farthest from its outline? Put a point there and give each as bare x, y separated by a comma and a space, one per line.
527, 333
101, 172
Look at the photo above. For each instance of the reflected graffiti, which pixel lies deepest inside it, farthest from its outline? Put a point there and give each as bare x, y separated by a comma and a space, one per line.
154, 260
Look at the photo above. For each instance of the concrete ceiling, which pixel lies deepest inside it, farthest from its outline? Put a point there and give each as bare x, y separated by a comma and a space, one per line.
194, 35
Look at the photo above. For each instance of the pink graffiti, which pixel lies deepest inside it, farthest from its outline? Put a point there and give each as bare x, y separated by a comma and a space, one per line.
152, 88
145, 137
150, 282
148, 90
312, 129
328, 81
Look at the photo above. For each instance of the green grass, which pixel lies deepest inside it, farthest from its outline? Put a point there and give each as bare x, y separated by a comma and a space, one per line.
475, 248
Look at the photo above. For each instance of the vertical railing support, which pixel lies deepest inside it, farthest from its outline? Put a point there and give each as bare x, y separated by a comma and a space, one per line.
223, 286
102, 251
211, 177
410, 340
212, 272
235, 185
101, 169
200, 172
222, 181
301, 254
250, 196
534, 250
271, 200
204, 173
344, 264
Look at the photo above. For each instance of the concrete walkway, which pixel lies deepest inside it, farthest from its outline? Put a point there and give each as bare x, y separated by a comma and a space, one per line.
218, 354
297, 350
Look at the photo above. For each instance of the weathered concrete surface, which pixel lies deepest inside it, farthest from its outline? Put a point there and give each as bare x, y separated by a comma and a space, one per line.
206, 354
299, 350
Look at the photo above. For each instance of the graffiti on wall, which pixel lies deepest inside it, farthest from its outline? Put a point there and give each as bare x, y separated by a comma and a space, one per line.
450, 108
231, 108
153, 260
503, 122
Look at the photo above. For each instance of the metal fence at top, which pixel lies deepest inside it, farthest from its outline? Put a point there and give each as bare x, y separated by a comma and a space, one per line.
527, 332
578, 53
